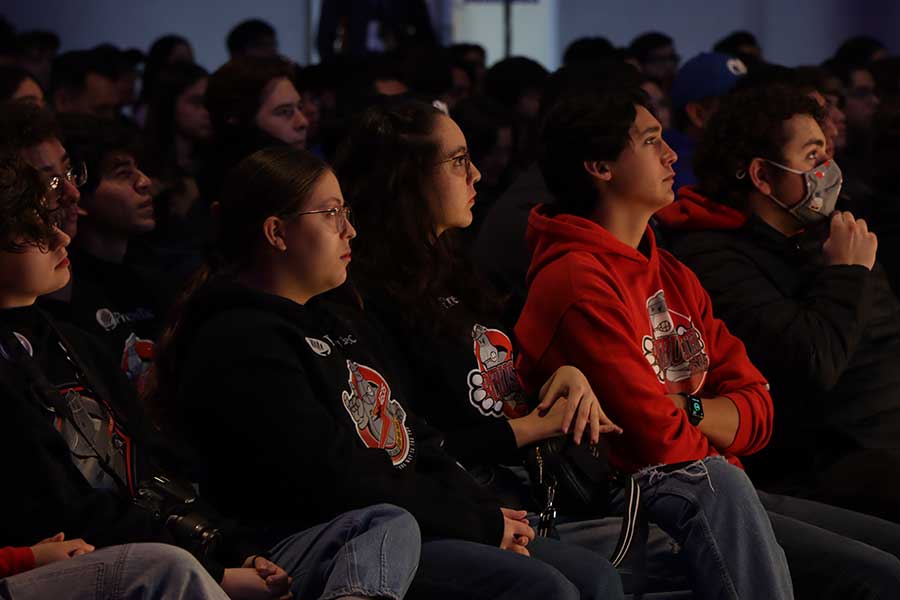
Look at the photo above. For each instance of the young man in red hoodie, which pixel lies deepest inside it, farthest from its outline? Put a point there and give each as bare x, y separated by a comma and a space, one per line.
636, 321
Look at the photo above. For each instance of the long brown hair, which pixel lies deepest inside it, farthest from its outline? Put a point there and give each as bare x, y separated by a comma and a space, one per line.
270, 182
383, 167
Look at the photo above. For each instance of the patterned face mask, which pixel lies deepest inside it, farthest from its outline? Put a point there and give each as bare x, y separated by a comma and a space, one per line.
823, 186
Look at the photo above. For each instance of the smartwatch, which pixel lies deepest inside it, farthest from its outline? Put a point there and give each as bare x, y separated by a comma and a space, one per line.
694, 408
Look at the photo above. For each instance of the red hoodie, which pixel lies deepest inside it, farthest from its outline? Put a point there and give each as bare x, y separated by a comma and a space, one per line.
639, 328
693, 212
15, 560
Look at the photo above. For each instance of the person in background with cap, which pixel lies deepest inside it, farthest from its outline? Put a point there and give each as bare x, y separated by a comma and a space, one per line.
695, 94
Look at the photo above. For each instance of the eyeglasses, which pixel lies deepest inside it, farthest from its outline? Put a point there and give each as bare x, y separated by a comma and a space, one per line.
459, 161
340, 215
76, 175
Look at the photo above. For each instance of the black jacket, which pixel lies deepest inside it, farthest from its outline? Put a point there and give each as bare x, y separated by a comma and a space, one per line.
47, 487
826, 337
300, 420
464, 377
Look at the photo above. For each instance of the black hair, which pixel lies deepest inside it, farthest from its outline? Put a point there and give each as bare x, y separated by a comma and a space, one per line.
731, 43
9, 44
811, 77
766, 75
38, 41
887, 75
112, 62
748, 125
24, 214
247, 35
236, 89
597, 76
885, 152
24, 124
589, 49
158, 57
858, 50
583, 126
481, 119
460, 50
93, 140
844, 70
641, 46
11, 78
507, 80
159, 128
70, 70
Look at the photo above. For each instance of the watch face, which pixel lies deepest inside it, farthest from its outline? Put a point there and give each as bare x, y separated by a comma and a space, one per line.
696, 408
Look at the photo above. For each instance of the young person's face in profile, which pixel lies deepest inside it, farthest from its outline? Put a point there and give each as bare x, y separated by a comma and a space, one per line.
29, 90
450, 190
121, 204
33, 271
318, 245
280, 114
50, 159
191, 117
804, 149
643, 172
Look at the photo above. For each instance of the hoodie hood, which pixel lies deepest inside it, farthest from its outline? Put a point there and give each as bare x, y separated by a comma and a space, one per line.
692, 211
551, 237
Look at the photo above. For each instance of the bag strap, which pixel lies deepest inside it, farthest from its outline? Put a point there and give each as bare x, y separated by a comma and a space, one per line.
633, 535
51, 396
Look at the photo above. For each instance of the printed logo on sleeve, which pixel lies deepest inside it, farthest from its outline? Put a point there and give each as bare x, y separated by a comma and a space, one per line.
494, 387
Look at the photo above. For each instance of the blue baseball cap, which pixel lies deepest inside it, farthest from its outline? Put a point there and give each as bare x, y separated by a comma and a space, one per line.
707, 75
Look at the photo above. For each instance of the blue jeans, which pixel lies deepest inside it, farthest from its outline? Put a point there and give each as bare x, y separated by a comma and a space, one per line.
129, 572
711, 509
372, 552
454, 569
834, 552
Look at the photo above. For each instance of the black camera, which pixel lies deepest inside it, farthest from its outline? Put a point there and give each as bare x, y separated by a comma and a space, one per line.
176, 505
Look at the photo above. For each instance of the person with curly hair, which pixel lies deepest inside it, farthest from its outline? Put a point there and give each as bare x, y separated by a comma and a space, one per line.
606, 299
800, 284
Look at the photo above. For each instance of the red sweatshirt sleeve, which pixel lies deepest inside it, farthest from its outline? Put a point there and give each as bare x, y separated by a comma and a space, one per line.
731, 374
15, 560
598, 338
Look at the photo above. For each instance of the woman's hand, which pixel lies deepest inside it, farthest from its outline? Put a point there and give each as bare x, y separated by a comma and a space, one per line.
516, 531
55, 549
257, 579
583, 407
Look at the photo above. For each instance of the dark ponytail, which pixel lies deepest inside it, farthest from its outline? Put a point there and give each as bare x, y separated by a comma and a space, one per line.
271, 182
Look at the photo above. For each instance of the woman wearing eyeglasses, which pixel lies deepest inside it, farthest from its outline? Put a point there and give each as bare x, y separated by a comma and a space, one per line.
406, 172
299, 410
408, 175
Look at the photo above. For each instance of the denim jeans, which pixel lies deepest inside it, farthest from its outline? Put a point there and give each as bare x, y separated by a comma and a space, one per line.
129, 572
454, 569
834, 552
712, 511
372, 552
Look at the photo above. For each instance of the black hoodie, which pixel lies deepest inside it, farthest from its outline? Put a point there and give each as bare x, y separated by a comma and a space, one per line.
300, 420
52, 483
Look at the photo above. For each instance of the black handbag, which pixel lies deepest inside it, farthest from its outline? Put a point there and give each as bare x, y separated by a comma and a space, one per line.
578, 480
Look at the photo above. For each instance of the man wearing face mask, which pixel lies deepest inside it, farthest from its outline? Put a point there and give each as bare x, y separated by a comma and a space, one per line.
799, 283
